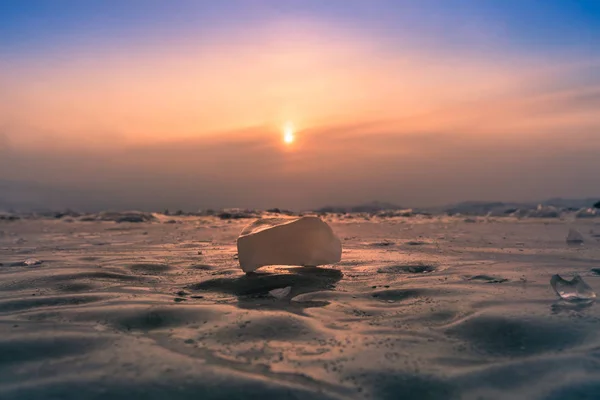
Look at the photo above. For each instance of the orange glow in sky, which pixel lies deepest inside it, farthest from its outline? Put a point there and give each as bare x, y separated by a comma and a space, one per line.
318, 75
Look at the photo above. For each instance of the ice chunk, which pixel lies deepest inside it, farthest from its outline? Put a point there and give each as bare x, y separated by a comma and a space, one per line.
128, 216
28, 263
574, 237
8, 217
281, 293
586, 213
236, 213
544, 212
306, 241
573, 290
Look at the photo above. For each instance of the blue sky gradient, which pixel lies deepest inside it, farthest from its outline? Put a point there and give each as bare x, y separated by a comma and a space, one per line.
526, 25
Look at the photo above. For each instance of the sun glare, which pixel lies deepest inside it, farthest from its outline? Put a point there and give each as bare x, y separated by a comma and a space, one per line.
288, 134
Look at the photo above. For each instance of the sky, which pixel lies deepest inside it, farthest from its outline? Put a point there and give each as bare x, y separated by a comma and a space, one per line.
146, 104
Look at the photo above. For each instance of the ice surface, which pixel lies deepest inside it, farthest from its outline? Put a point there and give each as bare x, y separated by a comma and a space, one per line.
281, 293
335, 336
306, 241
573, 290
574, 237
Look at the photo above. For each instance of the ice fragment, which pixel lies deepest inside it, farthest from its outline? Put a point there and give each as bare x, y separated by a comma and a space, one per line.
305, 241
574, 237
574, 290
281, 293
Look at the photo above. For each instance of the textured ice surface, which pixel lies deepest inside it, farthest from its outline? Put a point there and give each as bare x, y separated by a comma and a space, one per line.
306, 241
281, 293
573, 290
104, 323
574, 237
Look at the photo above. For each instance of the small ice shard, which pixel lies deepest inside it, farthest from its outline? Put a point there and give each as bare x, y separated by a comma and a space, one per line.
488, 279
574, 237
305, 241
573, 290
281, 293
27, 263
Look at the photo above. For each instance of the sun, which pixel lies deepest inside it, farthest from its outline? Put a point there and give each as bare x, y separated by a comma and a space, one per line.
288, 134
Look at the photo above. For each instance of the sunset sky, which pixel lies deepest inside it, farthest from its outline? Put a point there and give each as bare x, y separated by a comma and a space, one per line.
152, 104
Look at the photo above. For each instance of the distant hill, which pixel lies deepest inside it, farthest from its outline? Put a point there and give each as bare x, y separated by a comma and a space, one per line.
571, 203
469, 207
22, 196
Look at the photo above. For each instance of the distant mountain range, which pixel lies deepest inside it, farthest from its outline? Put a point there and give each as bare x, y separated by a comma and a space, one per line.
571, 203
483, 206
30, 196
468, 207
